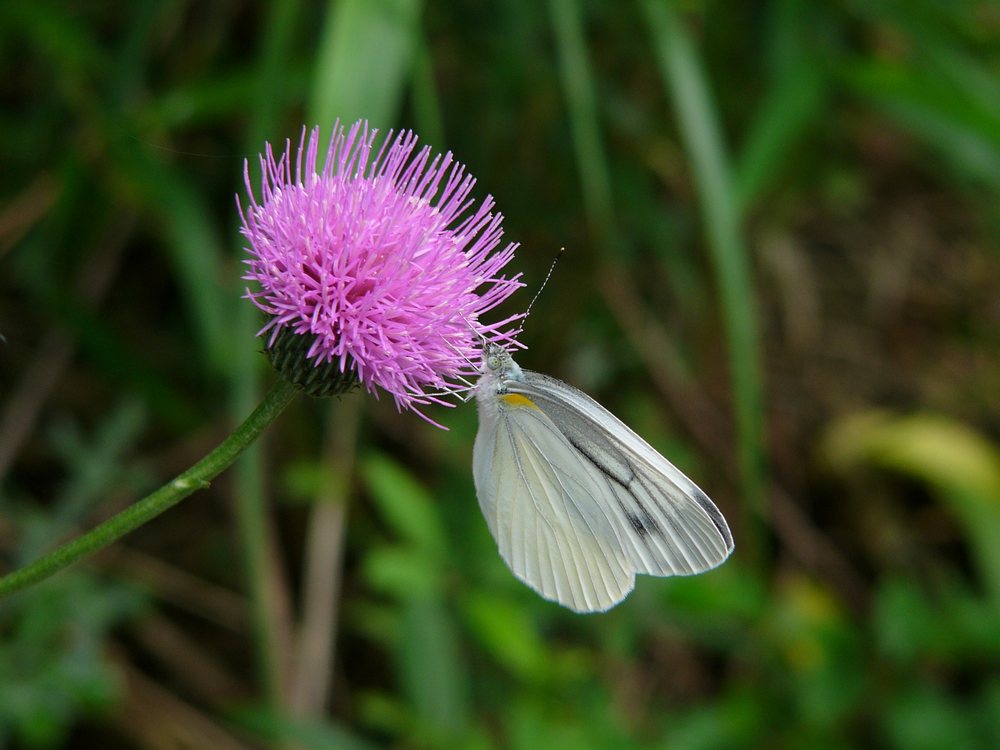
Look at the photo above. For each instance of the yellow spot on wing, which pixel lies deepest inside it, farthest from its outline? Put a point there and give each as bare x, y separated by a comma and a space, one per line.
516, 399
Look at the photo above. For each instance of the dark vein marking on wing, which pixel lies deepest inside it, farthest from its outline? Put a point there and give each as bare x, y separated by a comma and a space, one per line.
548, 403
689, 554
643, 522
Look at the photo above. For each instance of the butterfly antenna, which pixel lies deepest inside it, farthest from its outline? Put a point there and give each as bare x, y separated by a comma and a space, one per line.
545, 281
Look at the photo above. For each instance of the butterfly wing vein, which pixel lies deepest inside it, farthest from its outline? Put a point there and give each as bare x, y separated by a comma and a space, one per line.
551, 528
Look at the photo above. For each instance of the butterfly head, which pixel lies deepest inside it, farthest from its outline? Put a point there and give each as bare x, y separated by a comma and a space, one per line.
498, 364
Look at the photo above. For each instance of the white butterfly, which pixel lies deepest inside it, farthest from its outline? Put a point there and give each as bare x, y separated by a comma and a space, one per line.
577, 502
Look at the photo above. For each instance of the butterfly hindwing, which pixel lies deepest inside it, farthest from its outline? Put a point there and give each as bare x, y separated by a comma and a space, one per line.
550, 528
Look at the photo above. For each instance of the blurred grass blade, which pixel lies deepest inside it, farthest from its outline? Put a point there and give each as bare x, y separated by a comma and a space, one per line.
425, 100
976, 83
431, 668
69, 47
700, 131
789, 107
269, 613
963, 129
365, 60
796, 92
961, 465
581, 97
192, 239
278, 730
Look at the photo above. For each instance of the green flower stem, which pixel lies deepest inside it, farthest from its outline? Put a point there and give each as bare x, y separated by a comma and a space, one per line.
197, 477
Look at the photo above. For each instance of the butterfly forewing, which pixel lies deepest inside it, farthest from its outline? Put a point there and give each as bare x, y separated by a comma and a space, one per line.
670, 525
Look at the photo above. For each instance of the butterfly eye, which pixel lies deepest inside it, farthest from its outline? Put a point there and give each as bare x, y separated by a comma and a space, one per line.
493, 362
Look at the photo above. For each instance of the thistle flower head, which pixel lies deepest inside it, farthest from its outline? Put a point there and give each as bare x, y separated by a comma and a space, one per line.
375, 267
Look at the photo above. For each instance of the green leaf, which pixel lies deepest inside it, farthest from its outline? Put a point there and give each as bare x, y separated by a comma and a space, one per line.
959, 463
509, 634
921, 716
402, 572
404, 504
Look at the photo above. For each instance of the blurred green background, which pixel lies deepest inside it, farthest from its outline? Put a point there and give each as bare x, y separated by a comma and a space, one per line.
782, 230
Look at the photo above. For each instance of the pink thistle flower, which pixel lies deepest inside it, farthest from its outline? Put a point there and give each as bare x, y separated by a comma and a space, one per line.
377, 269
